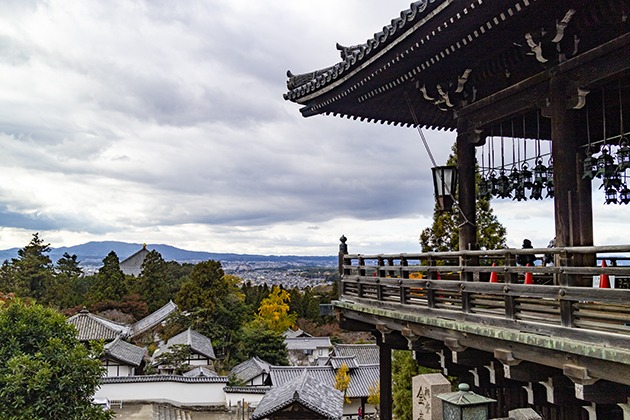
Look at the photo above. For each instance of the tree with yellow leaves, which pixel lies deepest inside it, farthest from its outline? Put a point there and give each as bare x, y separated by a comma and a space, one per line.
342, 381
274, 310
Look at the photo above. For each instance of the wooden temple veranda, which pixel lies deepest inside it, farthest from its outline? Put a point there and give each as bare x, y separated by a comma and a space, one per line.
552, 72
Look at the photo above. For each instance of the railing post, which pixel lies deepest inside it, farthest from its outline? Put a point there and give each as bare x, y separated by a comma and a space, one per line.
343, 251
510, 276
566, 311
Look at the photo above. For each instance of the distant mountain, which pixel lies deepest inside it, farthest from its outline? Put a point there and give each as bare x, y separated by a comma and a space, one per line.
93, 253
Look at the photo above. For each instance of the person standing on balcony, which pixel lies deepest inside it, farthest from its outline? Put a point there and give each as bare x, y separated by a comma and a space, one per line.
524, 259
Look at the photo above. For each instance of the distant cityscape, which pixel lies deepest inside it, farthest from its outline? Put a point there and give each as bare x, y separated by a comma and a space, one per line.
289, 271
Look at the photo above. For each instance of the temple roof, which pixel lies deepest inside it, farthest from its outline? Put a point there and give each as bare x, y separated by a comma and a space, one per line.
94, 327
125, 352
198, 343
306, 391
361, 378
440, 56
153, 319
250, 369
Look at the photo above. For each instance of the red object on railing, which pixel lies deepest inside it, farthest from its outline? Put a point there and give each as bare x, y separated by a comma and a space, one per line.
604, 281
529, 277
493, 276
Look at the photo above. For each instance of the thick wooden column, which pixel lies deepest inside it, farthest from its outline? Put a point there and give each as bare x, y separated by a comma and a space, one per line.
466, 197
385, 361
567, 208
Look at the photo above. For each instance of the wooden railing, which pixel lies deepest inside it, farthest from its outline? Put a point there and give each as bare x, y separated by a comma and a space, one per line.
388, 280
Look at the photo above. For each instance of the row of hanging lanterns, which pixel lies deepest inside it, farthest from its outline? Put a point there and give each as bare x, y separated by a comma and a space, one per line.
612, 162
520, 182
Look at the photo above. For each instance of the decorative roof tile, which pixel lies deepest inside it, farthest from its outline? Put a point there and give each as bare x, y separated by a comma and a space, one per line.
125, 352
306, 391
246, 389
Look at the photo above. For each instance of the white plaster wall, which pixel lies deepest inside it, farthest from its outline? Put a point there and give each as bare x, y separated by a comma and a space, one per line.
176, 393
233, 398
352, 408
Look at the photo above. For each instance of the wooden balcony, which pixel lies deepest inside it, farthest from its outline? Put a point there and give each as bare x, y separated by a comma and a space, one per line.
534, 333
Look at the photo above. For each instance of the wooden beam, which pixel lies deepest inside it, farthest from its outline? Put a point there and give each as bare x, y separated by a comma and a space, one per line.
584, 70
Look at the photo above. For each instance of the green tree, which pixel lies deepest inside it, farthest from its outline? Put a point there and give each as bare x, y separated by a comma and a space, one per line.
152, 284
33, 269
215, 305
109, 283
45, 372
175, 357
404, 368
65, 289
258, 340
443, 235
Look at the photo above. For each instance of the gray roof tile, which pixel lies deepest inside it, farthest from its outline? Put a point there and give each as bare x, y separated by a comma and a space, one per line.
250, 369
198, 343
307, 343
94, 327
153, 319
305, 390
125, 352
365, 354
361, 378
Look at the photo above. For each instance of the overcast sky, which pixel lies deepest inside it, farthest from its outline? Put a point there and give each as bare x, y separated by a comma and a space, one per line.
163, 122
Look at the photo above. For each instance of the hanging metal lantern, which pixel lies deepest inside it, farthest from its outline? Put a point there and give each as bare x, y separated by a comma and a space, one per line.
589, 165
624, 194
612, 181
526, 176
493, 182
540, 173
536, 191
483, 191
515, 177
445, 186
550, 170
551, 190
611, 196
623, 155
519, 193
605, 164
504, 188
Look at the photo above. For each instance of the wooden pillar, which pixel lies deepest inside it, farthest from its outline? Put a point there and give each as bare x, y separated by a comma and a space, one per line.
568, 205
467, 195
385, 361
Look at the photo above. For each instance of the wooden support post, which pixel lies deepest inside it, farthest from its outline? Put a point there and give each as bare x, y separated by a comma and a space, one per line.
466, 196
385, 361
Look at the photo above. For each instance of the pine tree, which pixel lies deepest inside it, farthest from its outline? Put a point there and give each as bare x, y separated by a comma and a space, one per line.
33, 269
109, 282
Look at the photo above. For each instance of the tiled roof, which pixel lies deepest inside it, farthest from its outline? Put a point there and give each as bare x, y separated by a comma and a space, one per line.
250, 369
125, 352
305, 390
200, 371
246, 389
163, 378
337, 362
94, 327
365, 354
361, 378
132, 265
307, 343
289, 333
355, 56
198, 343
153, 319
